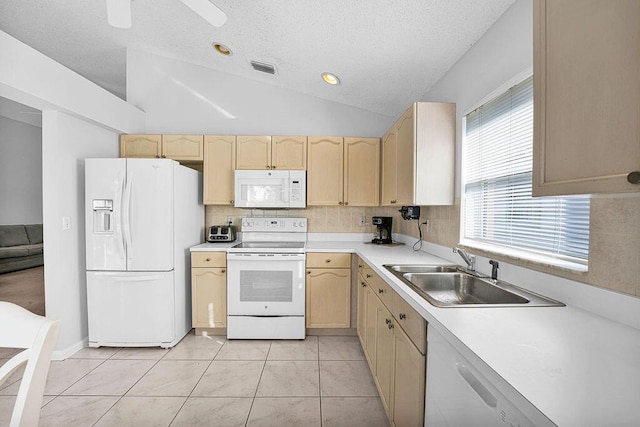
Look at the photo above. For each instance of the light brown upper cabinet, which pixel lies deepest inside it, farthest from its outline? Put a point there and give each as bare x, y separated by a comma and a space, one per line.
219, 164
586, 70
253, 152
325, 171
272, 152
362, 171
343, 171
183, 148
145, 146
418, 156
289, 152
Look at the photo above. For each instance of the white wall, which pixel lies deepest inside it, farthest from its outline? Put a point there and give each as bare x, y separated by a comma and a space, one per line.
66, 142
179, 97
33, 79
504, 51
20, 173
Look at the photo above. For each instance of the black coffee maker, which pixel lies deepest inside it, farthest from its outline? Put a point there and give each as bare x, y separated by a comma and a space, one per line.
382, 235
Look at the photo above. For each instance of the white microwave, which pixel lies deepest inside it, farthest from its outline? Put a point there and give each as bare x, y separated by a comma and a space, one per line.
273, 189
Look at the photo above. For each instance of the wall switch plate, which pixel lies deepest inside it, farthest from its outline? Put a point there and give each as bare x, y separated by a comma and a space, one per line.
66, 223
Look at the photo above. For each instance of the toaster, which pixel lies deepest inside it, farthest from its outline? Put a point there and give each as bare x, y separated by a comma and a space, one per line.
221, 233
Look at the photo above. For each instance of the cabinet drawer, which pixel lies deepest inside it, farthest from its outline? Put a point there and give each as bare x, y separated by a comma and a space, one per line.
208, 259
381, 289
411, 322
328, 260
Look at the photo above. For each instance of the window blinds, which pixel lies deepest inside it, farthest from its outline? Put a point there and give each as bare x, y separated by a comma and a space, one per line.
498, 207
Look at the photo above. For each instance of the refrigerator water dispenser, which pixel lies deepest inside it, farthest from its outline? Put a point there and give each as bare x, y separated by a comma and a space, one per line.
102, 212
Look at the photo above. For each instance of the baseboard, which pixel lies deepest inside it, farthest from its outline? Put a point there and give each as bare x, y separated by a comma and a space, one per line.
211, 332
69, 351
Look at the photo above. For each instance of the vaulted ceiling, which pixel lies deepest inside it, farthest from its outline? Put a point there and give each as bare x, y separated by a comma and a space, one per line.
387, 53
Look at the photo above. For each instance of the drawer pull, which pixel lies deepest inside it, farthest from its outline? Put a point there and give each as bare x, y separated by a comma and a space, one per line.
368, 276
327, 260
364, 285
402, 316
223, 270
381, 291
308, 272
207, 259
390, 325
387, 321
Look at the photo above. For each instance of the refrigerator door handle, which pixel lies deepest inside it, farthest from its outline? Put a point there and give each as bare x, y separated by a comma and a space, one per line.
121, 217
126, 209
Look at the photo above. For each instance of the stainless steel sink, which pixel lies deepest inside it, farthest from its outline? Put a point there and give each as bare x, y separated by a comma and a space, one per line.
407, 268
457, 288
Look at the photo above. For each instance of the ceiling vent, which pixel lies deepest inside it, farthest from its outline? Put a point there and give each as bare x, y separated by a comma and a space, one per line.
265, 68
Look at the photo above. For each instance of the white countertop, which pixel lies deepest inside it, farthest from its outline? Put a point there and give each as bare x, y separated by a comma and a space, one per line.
577, 368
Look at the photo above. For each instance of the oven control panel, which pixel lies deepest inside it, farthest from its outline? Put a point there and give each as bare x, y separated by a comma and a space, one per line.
274, 225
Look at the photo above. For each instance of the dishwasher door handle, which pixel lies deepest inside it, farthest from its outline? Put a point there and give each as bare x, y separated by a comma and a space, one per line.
476, 385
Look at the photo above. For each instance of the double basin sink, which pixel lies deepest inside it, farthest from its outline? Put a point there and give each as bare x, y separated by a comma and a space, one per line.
452, 286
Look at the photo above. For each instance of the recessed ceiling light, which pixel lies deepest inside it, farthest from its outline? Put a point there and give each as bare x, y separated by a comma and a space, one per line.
332, 79
222, 49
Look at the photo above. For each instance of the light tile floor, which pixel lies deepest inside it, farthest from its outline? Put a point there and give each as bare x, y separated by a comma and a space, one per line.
209, 381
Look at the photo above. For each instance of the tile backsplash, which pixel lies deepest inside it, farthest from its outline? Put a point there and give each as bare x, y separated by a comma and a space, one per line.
614, 247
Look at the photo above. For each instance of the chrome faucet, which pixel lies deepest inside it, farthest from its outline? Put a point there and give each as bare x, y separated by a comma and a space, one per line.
469, 259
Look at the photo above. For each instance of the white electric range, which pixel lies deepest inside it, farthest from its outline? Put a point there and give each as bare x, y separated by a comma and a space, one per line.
266, 280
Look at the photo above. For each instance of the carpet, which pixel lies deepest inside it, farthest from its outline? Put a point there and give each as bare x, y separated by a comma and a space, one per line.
24, 288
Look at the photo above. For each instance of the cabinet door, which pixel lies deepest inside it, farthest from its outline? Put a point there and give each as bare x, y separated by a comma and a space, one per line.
411, 322
325, 171
253, 152
404, 160
362, 311
362, 171
409, 383
385, 355
289, 152
370, 326
183, 147
209, 297
328, 296
219, 164
389, 168
145, 146
586, 60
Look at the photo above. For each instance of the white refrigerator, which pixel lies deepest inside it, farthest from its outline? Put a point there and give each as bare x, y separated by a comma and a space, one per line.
142, 215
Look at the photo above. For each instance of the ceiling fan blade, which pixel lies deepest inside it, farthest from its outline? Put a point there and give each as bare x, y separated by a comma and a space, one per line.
210, 12
119, 13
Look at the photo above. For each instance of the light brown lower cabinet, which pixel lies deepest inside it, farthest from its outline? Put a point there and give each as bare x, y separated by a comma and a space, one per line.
397, 357
208, 290
385, 356
328, 290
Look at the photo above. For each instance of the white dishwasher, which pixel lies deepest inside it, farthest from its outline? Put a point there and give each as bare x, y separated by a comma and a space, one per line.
457, 394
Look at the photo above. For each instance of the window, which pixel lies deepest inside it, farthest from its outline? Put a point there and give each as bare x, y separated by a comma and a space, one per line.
499, 213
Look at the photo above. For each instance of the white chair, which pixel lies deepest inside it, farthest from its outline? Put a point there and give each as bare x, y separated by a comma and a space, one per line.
19, 328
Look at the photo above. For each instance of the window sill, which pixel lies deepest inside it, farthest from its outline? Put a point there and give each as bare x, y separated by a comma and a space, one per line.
527, 257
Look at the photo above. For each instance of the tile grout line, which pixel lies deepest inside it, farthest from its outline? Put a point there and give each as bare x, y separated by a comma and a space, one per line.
129, 389
258, 385
319, 382
197, 382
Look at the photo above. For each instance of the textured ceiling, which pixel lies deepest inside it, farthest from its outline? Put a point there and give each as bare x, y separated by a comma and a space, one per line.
387, 53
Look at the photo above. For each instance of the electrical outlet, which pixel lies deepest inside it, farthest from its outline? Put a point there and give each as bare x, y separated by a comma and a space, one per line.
230, 220
66, 223
362, 222
426, 225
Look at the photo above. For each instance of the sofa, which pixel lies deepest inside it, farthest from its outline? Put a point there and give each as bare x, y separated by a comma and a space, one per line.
21, 247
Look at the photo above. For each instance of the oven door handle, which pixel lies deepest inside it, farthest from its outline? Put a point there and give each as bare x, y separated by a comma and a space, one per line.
264, 257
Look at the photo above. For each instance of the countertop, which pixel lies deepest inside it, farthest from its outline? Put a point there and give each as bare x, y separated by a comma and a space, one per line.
577, 368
